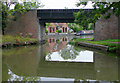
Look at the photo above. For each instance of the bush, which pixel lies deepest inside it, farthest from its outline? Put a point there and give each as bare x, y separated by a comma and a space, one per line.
59, 31
56, 31
46, 31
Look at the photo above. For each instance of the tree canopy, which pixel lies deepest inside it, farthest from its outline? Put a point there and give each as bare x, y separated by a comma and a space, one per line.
75, 27
99, 8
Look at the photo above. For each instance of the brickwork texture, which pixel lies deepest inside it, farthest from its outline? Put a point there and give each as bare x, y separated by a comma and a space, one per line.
25, 24
107, 28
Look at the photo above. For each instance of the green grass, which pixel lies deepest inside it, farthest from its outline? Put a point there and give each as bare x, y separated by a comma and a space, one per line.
11, 39
111, 40
112, 46
77, 40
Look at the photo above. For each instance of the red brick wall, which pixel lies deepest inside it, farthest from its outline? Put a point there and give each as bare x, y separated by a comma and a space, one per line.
106, 29
25, 24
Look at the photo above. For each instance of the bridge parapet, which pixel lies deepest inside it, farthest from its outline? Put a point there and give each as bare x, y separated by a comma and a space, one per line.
58, 15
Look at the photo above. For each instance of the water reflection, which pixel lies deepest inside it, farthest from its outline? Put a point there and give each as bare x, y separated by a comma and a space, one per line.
68, 53
56, 44
14, 77
49, 62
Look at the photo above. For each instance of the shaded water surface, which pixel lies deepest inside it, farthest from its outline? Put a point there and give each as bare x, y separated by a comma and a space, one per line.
59, 61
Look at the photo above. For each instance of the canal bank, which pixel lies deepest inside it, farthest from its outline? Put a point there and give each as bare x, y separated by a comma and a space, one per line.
111, 45
13, 41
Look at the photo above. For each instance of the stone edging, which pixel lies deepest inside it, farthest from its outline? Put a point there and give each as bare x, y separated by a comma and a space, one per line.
99, 47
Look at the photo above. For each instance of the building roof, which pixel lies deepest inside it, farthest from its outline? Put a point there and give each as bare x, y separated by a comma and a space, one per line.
59, 24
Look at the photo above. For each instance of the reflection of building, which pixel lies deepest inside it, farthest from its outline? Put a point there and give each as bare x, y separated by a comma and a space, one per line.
56, 44
58, 26
51, 40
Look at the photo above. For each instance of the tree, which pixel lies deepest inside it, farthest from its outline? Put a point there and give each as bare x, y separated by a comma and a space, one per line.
69, 53
48, 25
91, 26
56, 31
75, 27
59, 31
8, 14
46, 31
99, 8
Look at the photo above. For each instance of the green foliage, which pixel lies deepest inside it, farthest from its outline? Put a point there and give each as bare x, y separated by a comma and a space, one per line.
91, 26
48, 25
83, 19
111, 40
75, 27
56, 31
78, 40
4, 16
57, 41
8, 13
46, 31
99, 8
69, 52
59, 31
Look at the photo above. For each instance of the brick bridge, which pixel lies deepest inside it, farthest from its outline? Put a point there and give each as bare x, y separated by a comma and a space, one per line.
33, 23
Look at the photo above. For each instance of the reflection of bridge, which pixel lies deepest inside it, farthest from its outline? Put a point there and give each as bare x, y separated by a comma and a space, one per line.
32, 63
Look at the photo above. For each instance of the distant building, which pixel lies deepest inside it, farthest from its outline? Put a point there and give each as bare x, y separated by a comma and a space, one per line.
58, 26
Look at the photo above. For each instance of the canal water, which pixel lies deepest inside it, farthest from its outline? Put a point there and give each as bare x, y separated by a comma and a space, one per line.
59, 61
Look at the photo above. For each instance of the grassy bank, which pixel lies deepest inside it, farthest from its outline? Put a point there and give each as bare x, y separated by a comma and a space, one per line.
16, 40
111, 43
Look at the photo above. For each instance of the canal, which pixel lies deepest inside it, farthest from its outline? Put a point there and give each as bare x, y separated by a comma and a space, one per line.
57, 60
